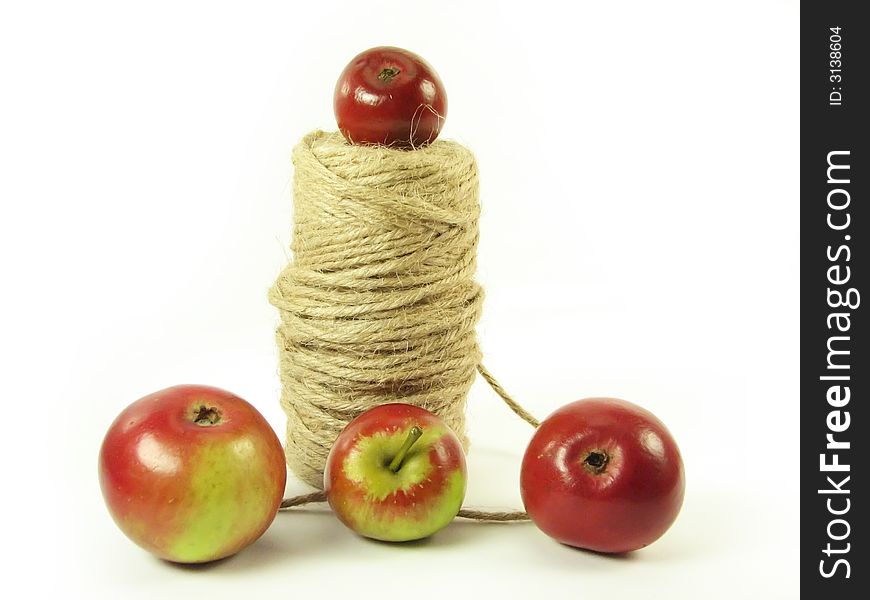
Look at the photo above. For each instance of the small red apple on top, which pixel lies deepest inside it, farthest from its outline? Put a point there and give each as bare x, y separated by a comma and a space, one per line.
603, 474
389, 96
192, 473
396, 473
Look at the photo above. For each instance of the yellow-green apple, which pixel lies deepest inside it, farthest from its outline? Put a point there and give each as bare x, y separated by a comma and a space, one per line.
396, 473
192, 473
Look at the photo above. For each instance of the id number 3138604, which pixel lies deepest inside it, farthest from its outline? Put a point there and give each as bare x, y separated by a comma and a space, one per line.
835, 66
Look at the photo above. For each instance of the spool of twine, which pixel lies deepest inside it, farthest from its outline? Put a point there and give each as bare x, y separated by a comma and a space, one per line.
379, 303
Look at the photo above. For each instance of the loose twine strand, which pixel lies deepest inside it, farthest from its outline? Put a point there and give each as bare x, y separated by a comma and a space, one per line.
379, 303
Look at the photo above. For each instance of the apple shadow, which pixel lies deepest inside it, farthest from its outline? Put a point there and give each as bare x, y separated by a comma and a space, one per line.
707, 514
203, 566
611, 556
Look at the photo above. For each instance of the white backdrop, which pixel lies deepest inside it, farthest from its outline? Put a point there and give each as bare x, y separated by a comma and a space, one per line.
639, 166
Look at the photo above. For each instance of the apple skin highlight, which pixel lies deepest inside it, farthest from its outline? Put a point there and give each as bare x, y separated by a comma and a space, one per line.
192, 492
420, 498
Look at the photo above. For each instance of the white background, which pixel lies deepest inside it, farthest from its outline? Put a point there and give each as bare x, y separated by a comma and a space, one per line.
639, 168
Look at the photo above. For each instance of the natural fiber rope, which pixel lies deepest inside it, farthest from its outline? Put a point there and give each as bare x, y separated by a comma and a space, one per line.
379, 303
512, 404
465, 513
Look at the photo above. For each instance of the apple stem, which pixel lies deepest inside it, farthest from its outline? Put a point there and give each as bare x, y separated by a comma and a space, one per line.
388, 73
412, 438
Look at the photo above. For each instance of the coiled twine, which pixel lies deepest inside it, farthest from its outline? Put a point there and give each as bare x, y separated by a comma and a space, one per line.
379, 302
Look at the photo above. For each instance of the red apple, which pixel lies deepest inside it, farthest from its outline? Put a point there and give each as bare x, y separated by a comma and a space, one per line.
192, 473
603, 474
396, 473
389, 96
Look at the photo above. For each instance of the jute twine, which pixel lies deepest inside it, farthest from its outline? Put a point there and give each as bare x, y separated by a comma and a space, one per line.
379, 303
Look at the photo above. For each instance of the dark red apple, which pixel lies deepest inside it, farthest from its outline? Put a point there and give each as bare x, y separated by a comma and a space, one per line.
192, 473
389, 96
603, 474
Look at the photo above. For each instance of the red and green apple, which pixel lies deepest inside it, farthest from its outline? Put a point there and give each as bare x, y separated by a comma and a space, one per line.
396, 473
192, 473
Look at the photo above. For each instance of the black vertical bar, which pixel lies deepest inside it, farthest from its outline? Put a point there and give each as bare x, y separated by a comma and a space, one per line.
835, 225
